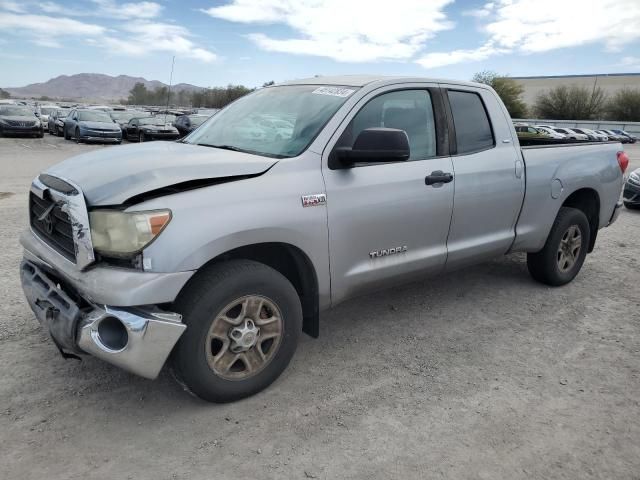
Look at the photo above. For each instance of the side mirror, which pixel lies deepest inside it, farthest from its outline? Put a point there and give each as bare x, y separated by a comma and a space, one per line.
373, 145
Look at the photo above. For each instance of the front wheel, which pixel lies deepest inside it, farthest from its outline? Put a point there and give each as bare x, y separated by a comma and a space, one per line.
243, 324
77, 134
141, 137
565, 250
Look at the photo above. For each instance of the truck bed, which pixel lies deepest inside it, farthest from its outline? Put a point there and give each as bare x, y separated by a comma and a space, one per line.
552, 173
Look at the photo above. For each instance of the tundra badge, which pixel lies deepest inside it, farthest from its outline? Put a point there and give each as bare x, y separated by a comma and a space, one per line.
314, 200
387, 251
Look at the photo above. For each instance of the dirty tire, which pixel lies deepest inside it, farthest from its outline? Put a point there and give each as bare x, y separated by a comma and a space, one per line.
66, 134
544, 266
77, 135
203, 299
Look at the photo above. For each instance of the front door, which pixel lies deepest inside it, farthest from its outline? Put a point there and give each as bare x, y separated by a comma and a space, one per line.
386, 224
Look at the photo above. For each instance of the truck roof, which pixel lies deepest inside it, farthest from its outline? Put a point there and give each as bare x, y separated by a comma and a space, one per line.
362, 80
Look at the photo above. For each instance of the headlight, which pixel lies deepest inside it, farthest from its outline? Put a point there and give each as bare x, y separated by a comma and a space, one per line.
123, 234
634, 178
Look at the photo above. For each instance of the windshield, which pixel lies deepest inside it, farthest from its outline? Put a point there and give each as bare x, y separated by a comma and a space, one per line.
276, 121
62, 113
197, 120
125, 116
94, 116
17, 111
159, 120
47, 110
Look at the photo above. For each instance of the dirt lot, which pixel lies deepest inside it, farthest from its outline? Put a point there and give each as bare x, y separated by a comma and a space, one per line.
481, 374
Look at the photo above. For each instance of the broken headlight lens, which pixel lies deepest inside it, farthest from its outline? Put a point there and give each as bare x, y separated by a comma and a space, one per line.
124, 233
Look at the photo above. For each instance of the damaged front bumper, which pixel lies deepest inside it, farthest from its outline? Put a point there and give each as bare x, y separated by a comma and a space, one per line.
136, 339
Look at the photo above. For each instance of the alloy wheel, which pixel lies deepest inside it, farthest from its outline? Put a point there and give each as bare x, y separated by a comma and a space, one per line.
244, 337
569, 248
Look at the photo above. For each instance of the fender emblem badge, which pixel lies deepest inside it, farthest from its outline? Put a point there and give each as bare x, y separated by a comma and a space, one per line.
388, 251
314, 200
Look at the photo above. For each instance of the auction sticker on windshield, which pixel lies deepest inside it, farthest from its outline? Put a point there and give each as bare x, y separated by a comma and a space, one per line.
333, 91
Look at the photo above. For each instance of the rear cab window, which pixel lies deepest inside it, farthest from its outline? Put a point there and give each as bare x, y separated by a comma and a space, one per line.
472, 126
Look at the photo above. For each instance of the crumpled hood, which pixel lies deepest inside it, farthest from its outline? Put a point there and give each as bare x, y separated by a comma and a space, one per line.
99, 125
112, 175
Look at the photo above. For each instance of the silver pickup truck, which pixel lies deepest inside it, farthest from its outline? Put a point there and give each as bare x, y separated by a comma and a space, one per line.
214, 253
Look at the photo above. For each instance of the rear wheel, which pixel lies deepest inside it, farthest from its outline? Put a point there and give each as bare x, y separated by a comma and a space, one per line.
243, 324
565, 250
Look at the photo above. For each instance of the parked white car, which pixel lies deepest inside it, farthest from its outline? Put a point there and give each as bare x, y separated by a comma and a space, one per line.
568, 133
602, 137
551, 132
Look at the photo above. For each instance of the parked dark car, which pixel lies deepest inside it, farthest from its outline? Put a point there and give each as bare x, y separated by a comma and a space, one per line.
19, 120
91, 126
56, 121
122, 117
632, 138
631, 193
617, 137
151, 128
185, 124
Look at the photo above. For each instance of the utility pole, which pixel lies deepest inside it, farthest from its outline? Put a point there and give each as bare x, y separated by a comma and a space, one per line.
173, 61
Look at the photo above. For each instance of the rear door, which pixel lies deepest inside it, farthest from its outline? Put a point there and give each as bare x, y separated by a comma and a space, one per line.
385, 223
489, 176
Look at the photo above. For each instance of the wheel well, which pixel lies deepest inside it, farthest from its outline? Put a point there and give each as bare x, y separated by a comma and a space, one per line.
587, 200
294, 264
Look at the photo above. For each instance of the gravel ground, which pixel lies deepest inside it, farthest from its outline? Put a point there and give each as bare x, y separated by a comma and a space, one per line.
480, 374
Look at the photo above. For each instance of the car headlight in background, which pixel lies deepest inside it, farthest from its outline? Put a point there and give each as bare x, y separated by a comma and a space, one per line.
125, 233
634, 178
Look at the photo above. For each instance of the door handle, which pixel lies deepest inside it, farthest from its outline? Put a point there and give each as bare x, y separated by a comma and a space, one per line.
438, 177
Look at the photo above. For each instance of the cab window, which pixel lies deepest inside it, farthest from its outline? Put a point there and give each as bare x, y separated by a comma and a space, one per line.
408, 110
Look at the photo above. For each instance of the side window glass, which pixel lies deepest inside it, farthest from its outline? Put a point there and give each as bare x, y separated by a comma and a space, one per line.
408, 110
473, 129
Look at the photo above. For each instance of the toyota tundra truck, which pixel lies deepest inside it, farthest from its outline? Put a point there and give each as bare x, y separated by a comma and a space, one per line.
214, 253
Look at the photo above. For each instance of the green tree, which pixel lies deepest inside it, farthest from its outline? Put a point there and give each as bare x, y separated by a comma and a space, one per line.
571, 103
624, 106
507, 88
139, 95
4, 94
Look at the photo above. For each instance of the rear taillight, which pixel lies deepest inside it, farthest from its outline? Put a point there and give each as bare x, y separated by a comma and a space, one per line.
623, 161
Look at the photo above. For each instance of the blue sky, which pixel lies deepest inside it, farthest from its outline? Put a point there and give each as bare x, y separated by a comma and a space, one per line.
249, 42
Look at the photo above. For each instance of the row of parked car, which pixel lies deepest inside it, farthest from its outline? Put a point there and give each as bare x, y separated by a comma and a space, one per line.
98, 123
545, 132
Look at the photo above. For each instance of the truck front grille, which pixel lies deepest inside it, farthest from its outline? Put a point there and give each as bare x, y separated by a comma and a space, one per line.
52, 225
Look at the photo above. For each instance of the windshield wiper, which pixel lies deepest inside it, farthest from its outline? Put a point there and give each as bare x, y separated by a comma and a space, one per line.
223, 147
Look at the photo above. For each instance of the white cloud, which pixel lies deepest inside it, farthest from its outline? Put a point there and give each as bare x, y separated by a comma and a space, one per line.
42, 24
137, 36
106, 9
145, 37
481, 12
353, 31
128, 10
11, 6
544, 25
442, 59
